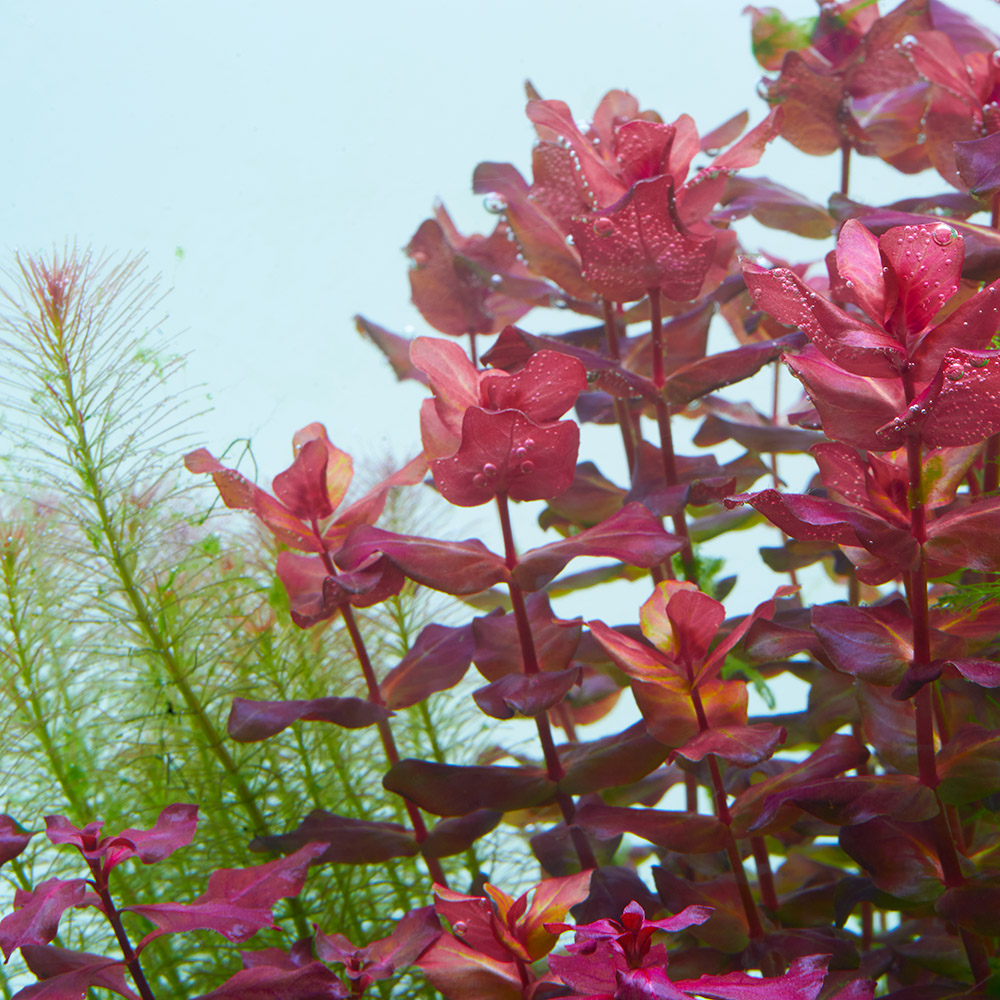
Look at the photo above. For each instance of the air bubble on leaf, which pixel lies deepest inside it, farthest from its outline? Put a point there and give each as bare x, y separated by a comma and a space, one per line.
519, 453
558, 303
908, 41
954, 371
494, 204
569, 240
527, 468
529, 443
479, 480
848, 283
943, 234
496, 279
489, 470
459, 927
419, 258
604, 227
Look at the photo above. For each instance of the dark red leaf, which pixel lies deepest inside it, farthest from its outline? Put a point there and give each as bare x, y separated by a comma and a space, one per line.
437, 661
346, 840
395, 348
454, 790
525, 694
900, 857
252, 721
453, 836
969, 765
174, 828
684, 832
621, 759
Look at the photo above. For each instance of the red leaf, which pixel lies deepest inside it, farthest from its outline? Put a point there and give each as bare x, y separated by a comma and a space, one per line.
900, 857
856, 347
395, 348
302, 486
506, 453
497, 650
639, 244
978, 162
620, 759
968, 536
253, 721
458, 971
454, 790
68, 975
437, 661
454, 567
633, 535
744, 746
36, 919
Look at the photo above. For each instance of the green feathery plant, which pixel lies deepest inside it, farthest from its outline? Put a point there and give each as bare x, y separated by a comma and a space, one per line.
130, 623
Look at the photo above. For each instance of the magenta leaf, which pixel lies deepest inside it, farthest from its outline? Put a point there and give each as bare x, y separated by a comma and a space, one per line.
395, 348
743, 746
13, 840
968, 536
802, 981
237, 902
900, 857
633, 535
525, 694
460, 971
454, 567
174, 828
543, 390
974, 906
639, 244
455, 790
36, 917
507, 453
346, 840
68, 975
437, 661
253, 721
969, 766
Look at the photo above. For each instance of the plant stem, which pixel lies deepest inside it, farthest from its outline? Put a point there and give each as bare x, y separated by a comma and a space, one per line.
666, 437
621, 410
385, 734
754, 926
114, 918
529, 662
845, 167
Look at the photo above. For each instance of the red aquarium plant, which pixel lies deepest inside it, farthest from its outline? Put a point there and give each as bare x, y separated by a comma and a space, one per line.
697, 845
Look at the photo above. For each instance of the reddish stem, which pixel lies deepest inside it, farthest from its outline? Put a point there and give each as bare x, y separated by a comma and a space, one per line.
765, 877
385, 734
472, 349
754, 926
529, 661
114, 918
622, 414
667, 455
845, 167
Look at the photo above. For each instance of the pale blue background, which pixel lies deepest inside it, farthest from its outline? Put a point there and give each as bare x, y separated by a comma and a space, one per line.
291, 150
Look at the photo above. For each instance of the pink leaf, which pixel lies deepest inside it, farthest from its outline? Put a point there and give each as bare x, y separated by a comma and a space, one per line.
313, 981
174, 828
525, 694
36, 919
744, 746
13, 840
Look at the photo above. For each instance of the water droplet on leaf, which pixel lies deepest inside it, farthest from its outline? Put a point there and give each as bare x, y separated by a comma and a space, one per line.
479, 480
943, 234
604, 227
527, 468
